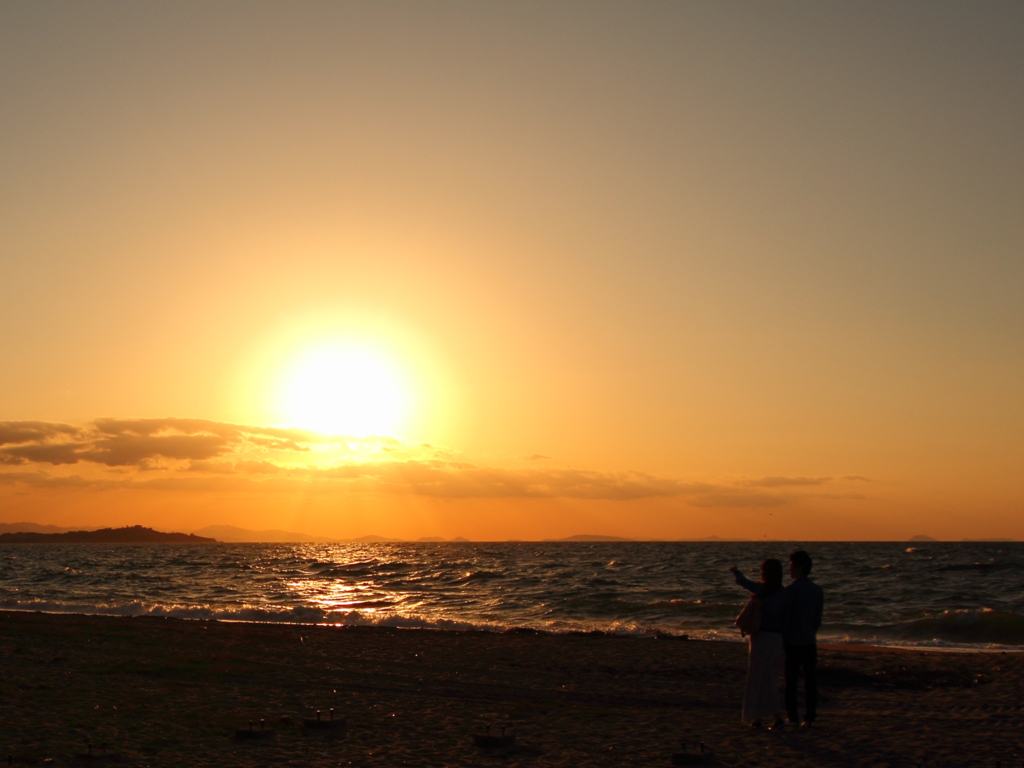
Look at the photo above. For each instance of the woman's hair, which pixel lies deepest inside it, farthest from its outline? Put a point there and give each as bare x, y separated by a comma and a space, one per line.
772, 570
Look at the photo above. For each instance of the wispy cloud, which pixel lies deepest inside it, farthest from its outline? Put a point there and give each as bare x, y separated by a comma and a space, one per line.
783, 482
198, 455
728, 497
13, 432
45, 480
463, 480
139, 442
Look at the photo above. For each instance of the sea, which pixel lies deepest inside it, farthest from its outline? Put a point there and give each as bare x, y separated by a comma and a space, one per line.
928, 595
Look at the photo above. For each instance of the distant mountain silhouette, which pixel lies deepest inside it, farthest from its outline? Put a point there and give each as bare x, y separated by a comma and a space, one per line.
590, 537
35, 528
133, 534
922, 537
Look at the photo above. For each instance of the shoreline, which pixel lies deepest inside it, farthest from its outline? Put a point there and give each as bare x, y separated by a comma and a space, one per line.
162, 691
704, 635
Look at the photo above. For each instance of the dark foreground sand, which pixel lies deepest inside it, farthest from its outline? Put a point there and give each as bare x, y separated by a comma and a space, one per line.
165, 692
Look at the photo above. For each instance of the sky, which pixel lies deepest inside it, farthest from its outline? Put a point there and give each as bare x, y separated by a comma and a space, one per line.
514, 270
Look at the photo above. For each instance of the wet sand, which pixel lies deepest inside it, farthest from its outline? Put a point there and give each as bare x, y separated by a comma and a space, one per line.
166, 692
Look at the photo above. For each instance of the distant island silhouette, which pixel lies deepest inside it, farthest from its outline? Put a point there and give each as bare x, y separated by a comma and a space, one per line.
25, 532
130, 534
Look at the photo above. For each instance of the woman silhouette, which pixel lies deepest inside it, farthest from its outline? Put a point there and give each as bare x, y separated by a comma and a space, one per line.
767, 654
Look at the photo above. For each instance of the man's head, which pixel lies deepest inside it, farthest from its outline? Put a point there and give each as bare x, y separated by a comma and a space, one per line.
799, 564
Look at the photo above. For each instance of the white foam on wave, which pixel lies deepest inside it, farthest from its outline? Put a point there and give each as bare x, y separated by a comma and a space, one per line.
316, 616
248, 614
934, 645
354, 618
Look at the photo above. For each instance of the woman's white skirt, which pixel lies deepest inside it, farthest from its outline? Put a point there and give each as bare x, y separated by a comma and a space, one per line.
767, 657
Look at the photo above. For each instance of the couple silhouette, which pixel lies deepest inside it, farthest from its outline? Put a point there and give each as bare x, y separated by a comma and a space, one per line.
782, 624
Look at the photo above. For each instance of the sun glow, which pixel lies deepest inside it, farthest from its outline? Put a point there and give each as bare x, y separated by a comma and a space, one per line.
346, 389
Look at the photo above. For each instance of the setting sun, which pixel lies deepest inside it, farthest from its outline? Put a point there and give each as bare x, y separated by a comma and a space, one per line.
345, 389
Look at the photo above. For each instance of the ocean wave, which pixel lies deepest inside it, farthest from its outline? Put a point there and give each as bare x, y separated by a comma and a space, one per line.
695, 607
971, 567
961, 628
951, 630
359, 568
336, 618
874, 592
969, 626
480, 575
252, 614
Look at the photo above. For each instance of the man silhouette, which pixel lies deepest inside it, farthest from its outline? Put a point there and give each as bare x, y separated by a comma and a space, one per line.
800, 636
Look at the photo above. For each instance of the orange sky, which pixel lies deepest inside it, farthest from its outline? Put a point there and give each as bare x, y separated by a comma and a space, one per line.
653, 270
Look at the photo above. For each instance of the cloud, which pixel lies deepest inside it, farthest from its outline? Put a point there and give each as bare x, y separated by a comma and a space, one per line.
147, 427
782, 482
45, 480
139, 442
198, 454
133, 450
46, 453
461, 480
14, 432
729, 498
277, 443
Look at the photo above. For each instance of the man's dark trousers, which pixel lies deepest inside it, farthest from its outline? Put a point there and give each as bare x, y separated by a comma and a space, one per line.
802, 657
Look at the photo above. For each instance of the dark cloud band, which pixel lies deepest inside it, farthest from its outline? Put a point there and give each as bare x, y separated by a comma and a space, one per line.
195, 453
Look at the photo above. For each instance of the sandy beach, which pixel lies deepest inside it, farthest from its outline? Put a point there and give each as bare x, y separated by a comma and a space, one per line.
162, 692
